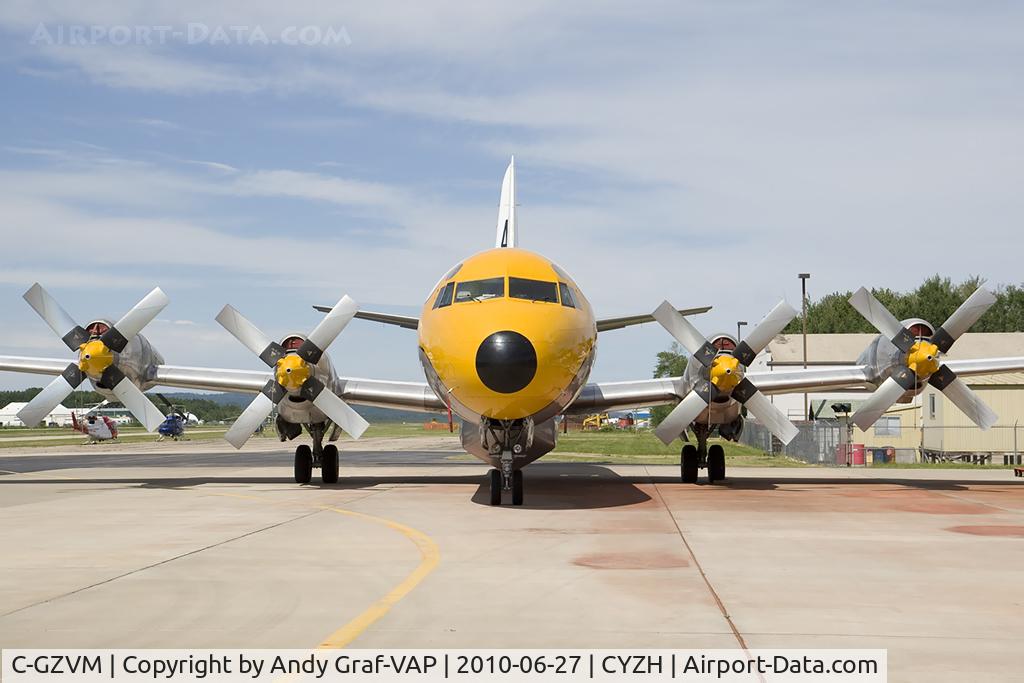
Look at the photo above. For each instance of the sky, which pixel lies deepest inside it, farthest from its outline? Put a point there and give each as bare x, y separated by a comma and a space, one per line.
278, 155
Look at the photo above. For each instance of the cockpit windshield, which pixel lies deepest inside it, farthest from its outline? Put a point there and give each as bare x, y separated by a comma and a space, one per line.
533, 290
480, 290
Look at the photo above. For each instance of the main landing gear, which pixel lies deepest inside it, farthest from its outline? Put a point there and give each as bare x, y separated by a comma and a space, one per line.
693, 458
324, 457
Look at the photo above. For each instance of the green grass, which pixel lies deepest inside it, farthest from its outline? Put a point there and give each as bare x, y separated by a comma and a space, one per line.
402, 429
8, 432
624, 447
643, 448
138, 436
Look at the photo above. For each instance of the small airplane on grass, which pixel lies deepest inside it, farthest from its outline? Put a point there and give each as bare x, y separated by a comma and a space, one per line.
507, 340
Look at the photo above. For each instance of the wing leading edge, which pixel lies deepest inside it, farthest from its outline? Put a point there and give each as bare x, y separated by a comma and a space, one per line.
416, 396
605, 324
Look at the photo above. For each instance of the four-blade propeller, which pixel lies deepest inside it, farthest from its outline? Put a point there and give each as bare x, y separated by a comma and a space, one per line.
293, 372
97, 358
922, 359
725, 373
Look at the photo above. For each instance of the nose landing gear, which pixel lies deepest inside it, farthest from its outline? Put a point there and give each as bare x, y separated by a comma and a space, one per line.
506, 440
500, 482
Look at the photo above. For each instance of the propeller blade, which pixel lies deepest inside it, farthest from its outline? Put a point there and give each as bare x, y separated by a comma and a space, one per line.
250, 335
884, 321
63, 325
51, 396
963, 317
681, 417
138, 403
686, 334
771, 417
250, 419
767, 329
878, 402
764, 332
132, 322
328, 330
946, 381
341, 413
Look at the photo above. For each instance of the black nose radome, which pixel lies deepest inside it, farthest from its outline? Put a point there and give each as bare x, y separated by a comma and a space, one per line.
506, 362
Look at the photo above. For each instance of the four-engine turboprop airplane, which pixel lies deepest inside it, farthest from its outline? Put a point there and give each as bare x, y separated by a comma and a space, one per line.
507, 341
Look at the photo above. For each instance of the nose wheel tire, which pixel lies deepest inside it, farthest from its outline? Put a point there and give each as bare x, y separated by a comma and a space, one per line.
689, 463
494, 476
517, 487
497, 486
329, 464
303, 464
716, 463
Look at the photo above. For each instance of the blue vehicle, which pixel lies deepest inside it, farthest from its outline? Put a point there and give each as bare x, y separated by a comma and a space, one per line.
174, 424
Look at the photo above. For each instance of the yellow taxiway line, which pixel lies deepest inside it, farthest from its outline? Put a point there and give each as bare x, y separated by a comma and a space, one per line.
430, 556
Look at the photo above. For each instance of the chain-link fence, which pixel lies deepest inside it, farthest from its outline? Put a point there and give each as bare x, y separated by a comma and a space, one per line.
818, 442
1000, 445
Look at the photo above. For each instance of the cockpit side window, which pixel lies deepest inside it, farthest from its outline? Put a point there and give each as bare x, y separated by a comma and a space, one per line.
480, 290
444, 297
566, 294
532, 290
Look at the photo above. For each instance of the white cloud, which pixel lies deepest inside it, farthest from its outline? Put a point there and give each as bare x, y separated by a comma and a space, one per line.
708, 152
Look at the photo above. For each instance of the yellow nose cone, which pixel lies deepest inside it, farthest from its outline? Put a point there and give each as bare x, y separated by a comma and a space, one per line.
725, 373
94, 357
923, 359
292, 372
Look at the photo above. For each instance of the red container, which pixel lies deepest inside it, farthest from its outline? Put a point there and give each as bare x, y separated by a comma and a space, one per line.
850, 454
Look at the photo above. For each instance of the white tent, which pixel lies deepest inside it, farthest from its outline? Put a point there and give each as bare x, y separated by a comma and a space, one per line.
9, 416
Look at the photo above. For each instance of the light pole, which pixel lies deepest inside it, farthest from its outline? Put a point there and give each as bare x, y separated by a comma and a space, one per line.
803, 300
739, 335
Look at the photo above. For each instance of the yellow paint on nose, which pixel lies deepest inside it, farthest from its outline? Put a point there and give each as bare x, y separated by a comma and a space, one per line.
923, 359
94, 357
292, 372
725, 372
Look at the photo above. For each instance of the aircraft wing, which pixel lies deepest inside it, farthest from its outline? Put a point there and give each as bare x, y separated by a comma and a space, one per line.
605, 324
407, 321
604, 396
416, 396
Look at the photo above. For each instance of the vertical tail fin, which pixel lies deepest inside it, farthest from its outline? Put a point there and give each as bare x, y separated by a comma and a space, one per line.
507, 234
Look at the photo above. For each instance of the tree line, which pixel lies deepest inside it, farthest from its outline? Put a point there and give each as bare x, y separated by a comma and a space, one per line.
204, 409
935, 299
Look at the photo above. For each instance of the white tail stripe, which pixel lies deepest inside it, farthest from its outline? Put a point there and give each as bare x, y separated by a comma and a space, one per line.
507, 233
